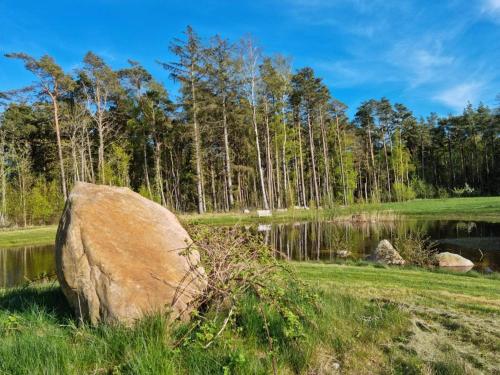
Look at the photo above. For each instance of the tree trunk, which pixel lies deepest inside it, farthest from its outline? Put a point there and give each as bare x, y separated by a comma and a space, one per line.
91, 161
325, 157
76, 174
197, 148
387, 167
341, 157
301, 161
59, 146
214, 193
3, 218
257, 143
373, 169
278, 177
313, 161
229, 178
283, 158
158, 174
269, 162
146, 169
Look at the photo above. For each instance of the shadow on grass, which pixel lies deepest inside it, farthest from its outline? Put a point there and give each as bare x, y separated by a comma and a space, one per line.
43, 298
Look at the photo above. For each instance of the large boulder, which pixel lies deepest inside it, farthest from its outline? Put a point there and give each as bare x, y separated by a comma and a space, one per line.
120, 256
387, 254
454, 261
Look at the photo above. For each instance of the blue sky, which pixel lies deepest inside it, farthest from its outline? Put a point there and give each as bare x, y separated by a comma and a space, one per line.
430, 55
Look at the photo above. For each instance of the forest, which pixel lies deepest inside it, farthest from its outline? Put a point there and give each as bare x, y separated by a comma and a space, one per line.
246, 130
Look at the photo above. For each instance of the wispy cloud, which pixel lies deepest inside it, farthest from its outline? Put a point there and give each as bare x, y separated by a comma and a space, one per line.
491, 9
492, 6
456, 97
419, 61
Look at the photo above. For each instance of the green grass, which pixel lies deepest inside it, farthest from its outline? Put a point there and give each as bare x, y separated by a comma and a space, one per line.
478, 208
372, 320
31, 236
475, 208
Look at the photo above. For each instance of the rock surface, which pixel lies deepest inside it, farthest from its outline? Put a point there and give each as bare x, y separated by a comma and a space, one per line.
387, 254
120, 256
453, 260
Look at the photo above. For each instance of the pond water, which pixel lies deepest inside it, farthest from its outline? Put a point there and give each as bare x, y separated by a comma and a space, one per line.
20, 265
328, 241
302, 241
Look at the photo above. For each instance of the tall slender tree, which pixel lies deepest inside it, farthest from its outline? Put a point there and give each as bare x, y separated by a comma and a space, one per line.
54, 84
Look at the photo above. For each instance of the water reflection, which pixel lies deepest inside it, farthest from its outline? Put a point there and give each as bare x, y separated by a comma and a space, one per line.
19, 265
327, 241
302, 241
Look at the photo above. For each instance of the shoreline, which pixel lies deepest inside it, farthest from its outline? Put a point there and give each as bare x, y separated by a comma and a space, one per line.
486, 209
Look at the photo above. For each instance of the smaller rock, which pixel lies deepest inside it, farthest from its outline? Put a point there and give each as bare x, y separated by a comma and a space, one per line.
281, 210
343, 253
453, 260
387, 254
246, 211
264, 213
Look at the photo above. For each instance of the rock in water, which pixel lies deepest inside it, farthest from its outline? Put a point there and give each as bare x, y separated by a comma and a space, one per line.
386, 253
120, 256
454, 262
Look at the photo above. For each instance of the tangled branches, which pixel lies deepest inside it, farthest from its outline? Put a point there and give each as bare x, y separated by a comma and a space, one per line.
243, 274
417, 249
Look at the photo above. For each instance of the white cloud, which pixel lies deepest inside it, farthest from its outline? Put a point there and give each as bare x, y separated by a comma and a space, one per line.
420, 61
456, 97
491, 6
491, 9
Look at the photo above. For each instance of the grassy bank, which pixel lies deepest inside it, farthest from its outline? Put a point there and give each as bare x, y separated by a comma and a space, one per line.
372, 320
31, 236
478, 208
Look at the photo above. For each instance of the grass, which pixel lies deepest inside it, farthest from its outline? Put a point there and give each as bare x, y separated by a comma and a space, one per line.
475, 208
26, 237
372, 320
478, 208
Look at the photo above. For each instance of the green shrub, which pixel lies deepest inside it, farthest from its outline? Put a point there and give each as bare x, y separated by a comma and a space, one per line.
442, 193
403, 192
422, 189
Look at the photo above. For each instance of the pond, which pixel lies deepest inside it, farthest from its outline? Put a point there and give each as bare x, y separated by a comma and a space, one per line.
328, 241
20, 265
302, 241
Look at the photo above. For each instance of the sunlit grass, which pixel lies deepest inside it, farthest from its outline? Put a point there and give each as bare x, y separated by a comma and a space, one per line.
27, 237
371, 320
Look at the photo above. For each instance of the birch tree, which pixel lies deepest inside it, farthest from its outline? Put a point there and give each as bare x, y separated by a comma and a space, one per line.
251, 58
101, 86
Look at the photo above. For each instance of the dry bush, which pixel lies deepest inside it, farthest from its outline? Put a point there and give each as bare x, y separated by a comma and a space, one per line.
417, 249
